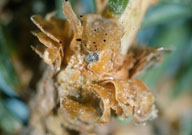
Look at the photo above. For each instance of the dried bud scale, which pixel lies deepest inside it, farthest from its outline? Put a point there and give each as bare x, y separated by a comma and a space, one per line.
90, 77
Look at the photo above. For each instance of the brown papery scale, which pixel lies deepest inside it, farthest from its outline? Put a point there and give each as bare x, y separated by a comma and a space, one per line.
87, 76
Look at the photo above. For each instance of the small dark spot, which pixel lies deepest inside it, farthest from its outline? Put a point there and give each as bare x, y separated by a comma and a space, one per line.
78, 39
81, 16
95, 30
55, 109
104, 40
95, 45
66, 0
60, 42
72, 132
105, 33
94, 42
62, 125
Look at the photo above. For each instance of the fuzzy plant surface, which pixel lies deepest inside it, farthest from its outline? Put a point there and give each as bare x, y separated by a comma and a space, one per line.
93, 67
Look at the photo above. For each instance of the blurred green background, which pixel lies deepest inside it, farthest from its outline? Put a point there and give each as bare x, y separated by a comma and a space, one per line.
167, 24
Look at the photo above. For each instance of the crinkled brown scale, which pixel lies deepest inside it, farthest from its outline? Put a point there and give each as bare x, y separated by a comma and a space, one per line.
90, 77
55, 33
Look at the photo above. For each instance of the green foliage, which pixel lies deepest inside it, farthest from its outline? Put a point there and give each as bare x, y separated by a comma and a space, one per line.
8, 78
117, 6
164, 13
173, 36
8, 122
172, 20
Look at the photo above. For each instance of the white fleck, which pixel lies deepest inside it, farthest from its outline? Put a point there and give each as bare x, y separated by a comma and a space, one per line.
46, 54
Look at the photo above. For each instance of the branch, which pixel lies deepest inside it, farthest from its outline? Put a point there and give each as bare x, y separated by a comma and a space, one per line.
131, 20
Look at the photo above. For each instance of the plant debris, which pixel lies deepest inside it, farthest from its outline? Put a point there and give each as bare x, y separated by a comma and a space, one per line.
89, 75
